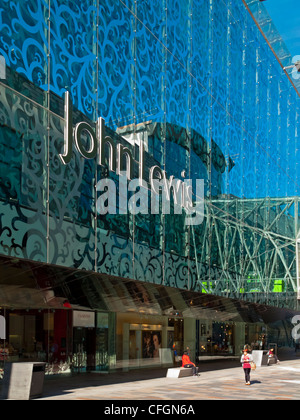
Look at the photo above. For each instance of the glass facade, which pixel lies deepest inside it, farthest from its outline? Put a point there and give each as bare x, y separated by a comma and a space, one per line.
188, 89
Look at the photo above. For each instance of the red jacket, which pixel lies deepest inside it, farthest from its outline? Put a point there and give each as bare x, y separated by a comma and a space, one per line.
186, 360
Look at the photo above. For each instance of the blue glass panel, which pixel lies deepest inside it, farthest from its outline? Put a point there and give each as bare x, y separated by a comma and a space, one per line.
73, 52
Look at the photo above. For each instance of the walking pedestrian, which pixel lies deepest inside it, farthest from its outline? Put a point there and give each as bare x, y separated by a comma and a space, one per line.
246, 360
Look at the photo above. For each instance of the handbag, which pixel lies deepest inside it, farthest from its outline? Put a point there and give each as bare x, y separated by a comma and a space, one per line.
253, 365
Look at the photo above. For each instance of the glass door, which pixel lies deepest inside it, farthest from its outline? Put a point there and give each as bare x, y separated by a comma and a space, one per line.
84, 342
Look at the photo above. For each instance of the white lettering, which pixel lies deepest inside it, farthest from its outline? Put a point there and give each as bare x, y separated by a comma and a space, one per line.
295, 330
171, 409
138, 203
2, 67
195, 213
116, 410
109, 197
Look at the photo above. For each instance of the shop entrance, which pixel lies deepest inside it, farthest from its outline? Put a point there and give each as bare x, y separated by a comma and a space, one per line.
39, 336
84, 349
145, 344
223, 338
90, 341
84, 341
147, 341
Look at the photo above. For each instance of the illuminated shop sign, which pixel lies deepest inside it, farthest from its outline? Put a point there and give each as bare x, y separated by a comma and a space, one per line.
160, 183
83, 319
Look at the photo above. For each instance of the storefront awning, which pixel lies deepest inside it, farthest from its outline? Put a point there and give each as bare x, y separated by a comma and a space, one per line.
33, 285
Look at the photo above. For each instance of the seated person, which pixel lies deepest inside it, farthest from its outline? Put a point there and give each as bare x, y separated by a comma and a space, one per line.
186, 363
271, 355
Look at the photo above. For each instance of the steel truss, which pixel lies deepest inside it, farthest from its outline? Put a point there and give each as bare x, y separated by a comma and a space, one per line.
249, 246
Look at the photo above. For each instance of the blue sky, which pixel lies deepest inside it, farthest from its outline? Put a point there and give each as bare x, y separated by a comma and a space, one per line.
286, 17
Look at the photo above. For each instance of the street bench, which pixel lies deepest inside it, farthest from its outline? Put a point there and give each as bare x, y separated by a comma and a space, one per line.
179, 372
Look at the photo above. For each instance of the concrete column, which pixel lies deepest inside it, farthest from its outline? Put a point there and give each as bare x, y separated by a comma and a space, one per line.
125, 346
239, 337
189, 334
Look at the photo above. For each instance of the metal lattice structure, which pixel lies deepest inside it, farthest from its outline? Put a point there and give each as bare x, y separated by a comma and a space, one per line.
249, 246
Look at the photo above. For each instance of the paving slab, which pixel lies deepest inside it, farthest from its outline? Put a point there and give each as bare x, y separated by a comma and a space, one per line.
276, 382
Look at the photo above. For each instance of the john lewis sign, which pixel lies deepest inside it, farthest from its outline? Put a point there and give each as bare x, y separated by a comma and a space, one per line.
160, 184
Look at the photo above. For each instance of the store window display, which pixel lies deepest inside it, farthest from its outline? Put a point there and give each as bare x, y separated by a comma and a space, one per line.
37, 335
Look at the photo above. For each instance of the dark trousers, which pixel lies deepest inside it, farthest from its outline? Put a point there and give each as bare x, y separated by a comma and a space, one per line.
195, 369
247, 374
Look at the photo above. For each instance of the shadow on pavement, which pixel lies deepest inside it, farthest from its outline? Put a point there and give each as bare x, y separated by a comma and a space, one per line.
63, 385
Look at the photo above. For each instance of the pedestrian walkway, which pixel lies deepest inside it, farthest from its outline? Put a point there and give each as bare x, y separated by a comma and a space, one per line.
276, 382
